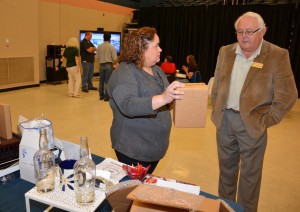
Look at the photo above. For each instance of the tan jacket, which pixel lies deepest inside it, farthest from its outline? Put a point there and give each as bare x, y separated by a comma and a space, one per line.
268, 93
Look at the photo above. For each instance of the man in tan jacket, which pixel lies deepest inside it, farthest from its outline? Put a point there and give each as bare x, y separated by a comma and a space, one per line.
254, 88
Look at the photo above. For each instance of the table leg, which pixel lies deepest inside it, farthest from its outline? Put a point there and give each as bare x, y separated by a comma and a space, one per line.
49, 208
27, 203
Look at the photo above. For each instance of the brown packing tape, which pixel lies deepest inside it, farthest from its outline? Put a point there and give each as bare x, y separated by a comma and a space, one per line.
193, 85
146, 207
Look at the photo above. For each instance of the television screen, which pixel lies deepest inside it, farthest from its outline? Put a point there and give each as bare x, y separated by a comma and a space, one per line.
97, 39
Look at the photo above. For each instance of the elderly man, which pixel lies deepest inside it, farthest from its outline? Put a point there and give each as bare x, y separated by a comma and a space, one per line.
253, 89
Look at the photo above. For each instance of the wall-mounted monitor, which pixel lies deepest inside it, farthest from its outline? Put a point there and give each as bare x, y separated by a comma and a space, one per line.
97, 38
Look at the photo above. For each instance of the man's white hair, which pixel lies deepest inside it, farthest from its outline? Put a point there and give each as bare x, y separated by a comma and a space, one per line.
260, 20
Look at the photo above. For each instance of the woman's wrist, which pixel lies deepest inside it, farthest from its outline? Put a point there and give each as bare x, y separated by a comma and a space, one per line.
159, 101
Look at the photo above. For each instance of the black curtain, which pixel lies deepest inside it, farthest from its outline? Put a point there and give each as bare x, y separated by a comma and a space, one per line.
202, 30
179, 30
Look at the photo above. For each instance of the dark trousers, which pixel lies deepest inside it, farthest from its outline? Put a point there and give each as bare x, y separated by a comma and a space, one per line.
133, 162
240, 161
87, 75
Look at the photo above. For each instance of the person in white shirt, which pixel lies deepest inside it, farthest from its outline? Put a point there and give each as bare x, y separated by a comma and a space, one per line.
107, 55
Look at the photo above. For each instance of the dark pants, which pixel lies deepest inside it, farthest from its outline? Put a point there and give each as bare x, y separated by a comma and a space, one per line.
87, 75
240, 161
133, 162
104, 72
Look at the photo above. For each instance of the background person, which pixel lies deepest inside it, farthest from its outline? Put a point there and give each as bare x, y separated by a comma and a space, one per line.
107, 55
139, 97
253, 89
169, 68
87, 53
191, 69
71, 54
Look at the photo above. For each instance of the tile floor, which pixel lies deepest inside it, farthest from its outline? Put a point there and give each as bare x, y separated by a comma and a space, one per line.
192, 155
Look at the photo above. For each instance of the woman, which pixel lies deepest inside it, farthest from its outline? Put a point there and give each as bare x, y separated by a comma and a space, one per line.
169, 68
191, 70
139, 97
71, 54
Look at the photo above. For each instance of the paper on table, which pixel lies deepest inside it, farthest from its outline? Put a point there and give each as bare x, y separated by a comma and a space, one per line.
179, 75
102, 173
114, 167
179, 186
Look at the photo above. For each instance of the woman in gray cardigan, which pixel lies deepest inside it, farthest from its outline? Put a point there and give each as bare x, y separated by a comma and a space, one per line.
140, 98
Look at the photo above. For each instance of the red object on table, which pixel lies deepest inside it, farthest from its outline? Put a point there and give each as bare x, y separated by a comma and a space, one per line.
136, 172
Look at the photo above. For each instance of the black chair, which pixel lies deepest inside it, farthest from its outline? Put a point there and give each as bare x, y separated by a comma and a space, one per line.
196, 77
171, 77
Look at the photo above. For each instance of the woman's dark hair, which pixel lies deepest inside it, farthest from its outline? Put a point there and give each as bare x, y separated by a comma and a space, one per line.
135, 44
169, 58
192, 60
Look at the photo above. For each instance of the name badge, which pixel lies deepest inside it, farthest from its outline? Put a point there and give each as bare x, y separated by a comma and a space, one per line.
257, 65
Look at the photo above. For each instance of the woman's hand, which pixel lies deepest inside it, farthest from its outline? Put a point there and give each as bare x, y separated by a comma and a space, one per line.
170, 94
115, 66
185, 69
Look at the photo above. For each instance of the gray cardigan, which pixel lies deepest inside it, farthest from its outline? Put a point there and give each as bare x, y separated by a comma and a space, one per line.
137, 130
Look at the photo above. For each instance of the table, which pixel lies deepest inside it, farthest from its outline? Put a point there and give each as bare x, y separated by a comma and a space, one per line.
9, 149
65, 200
12, 196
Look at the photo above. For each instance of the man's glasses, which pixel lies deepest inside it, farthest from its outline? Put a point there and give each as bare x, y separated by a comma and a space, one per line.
247, 32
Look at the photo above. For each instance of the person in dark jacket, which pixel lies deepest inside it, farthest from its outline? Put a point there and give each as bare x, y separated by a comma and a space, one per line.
87, 53
253, 89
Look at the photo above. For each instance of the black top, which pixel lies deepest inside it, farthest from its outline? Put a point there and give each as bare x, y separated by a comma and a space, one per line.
70, 53
85, 55
193, 68
196, 73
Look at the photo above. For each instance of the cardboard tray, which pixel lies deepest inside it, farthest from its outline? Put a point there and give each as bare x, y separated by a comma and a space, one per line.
150, 198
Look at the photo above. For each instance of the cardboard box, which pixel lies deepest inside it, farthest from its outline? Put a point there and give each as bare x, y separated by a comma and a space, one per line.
209, 205
5, 122
191, 110
118, 198
150, 198
30, 145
